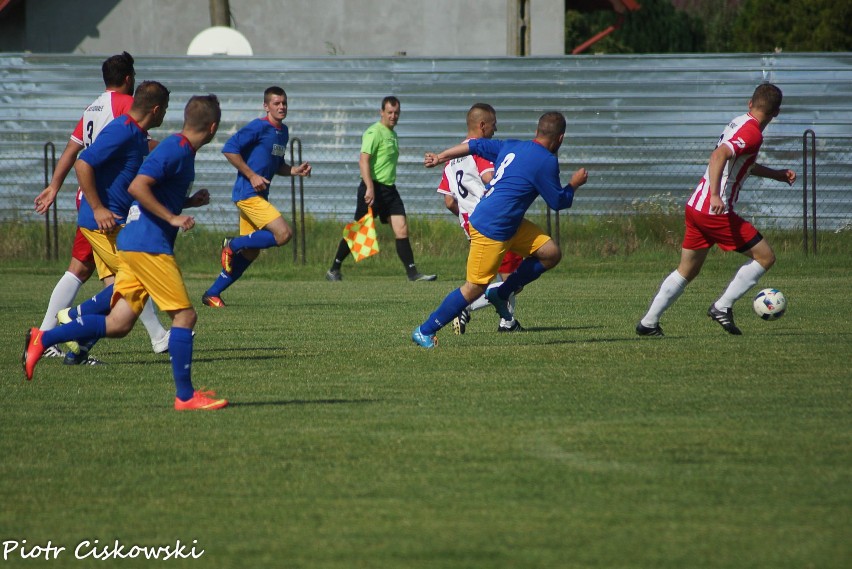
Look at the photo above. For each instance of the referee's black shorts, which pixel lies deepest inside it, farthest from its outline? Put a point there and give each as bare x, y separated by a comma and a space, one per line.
385, 204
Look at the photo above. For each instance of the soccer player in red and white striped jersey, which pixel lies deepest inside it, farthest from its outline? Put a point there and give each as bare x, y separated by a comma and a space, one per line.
711, 220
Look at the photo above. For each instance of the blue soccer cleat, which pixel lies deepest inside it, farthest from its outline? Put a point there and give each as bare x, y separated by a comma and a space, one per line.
422, 339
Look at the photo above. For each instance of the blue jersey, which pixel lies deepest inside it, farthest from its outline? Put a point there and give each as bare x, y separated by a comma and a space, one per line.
523, 170
172, 166
116, 156
263, 147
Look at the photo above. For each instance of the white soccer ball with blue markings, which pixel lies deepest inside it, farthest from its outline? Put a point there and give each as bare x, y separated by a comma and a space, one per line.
770, 304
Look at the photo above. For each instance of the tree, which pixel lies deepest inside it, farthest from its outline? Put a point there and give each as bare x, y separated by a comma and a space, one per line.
656, 28
717, 17
793, 25
718, 26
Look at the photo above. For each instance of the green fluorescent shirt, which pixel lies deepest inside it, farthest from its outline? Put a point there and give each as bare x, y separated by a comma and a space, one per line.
381, 144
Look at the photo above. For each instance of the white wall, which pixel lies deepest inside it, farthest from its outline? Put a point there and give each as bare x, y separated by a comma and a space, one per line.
289, 28
547, 26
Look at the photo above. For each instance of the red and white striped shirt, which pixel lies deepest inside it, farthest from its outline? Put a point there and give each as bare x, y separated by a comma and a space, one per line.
100, 113
462, 179
743, 137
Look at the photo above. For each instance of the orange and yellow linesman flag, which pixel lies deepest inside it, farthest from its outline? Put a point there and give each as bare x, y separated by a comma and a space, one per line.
361, 236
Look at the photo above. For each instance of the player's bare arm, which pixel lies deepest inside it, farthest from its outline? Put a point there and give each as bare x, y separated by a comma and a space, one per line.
430, 159
142, 190
259, 183
303, 169
579, 178
198, 199
86, 178
63, 166
451, 204
788, 176
367, 176
722, 154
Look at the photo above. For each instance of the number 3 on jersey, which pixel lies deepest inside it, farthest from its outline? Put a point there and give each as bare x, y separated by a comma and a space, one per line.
499, 173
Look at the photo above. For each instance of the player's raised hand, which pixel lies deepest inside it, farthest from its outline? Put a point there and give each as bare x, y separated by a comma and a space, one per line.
579, 178
303, 169
430, 160
44, 200
105, 218
184, 222
259, 183
788, 176
199, 198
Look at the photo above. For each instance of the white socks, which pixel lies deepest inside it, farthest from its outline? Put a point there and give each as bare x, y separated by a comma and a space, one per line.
746, 277
672, 287
62, 296
151, 322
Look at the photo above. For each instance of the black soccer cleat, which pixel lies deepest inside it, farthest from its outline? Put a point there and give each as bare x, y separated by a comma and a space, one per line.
515, 326
460, 322
333, 275
649, 330
725, 318
420, 277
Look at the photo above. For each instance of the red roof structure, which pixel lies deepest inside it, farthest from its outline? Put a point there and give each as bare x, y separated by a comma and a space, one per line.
620, 7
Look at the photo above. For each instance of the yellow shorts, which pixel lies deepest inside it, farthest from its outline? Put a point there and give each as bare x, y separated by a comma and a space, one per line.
486, 254
103, 246
256, 213
141, 275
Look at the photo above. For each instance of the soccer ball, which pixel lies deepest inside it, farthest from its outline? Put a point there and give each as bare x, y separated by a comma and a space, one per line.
770, 304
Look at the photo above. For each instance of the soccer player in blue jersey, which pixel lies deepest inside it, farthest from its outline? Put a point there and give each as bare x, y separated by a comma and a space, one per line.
257, 151
146, 251
524, 171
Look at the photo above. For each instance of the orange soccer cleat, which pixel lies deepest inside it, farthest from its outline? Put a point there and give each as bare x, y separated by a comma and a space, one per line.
212, 301
202, 401
33, 350
227, 254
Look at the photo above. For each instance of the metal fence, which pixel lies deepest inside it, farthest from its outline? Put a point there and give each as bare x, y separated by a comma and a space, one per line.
643, 126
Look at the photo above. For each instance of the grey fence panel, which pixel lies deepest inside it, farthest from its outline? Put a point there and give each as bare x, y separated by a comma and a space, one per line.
643, 125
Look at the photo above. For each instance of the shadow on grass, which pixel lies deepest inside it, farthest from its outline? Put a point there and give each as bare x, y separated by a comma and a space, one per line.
601, 340
558, 328
302, 402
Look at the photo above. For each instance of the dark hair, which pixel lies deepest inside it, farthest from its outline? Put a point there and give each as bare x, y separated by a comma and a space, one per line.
390, 99
551, 124
150, 94
767, 97
116, 68
476, 111
201, 111
273, 91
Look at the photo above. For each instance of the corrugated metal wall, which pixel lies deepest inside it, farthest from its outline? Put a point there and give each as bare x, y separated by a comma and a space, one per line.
643, 125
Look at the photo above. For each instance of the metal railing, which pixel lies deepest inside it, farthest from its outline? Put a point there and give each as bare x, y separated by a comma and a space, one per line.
624, 183
50, 253
298, 227
809, 136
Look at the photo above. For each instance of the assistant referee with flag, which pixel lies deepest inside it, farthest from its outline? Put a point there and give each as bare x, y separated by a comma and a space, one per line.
379, 157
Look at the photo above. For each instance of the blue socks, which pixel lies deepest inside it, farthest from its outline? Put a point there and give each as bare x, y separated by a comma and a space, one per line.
90, 327
239, 264
528, 271
180, 352
98, 304
260, 239
451, 307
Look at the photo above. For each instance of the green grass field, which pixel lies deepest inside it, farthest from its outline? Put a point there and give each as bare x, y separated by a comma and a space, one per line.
573, 444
